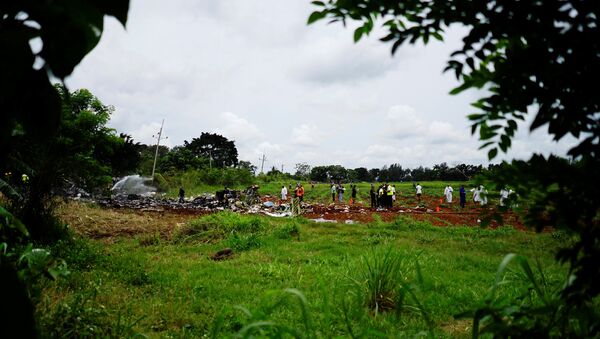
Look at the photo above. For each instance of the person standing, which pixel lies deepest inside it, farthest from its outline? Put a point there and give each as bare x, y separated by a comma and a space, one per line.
393, 193
284, 193
300, 192
482, 195
419, 191
353, 199
373, 195
448, 193
341, 190
390, 196
476, 197
333, 192
463, 196
181, 194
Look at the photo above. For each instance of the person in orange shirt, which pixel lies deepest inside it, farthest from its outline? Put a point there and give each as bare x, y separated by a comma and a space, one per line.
300, 192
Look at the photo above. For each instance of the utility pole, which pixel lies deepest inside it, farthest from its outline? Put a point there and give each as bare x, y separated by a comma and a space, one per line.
262, 165
282, 168
157, 143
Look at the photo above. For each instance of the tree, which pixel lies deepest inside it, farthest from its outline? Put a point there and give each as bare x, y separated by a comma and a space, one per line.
534, 56
302, 170
247, 165
362, 174
180, 158
147, 153
216, 147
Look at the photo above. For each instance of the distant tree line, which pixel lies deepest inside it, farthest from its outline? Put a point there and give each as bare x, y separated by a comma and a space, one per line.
395, 172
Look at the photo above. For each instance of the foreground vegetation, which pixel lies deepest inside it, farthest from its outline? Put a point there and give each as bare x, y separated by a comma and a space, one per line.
286, 275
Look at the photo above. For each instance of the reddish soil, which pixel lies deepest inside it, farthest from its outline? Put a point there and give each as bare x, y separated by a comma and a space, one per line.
434, 210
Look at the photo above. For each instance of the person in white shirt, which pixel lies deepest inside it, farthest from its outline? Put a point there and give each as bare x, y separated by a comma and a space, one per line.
419, 191
448, 193
284, 193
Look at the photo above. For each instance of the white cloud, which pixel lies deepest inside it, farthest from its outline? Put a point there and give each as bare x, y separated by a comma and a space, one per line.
306, 135
234, 127
403, 122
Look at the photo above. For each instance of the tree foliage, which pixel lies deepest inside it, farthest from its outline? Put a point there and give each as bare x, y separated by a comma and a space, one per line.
216, 147
302, 170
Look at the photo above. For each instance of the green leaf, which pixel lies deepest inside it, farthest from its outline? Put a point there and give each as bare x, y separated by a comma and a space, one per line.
12, 222
486, 144
318, 3
492, 153
316, 16
358, 33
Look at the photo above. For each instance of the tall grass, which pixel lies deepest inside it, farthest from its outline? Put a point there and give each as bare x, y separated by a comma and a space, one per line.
380, 274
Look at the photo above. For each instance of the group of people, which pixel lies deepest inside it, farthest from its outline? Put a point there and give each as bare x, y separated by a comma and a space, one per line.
298, 192
384, 196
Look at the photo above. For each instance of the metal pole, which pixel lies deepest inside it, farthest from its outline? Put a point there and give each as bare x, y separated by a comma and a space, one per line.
157, 143
263, 163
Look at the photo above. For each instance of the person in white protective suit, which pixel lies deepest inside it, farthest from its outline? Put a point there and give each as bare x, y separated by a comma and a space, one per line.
482, 195
448, 193
476, 197
284, 193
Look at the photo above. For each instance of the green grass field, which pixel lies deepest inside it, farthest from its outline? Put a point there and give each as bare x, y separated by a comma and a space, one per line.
288, 275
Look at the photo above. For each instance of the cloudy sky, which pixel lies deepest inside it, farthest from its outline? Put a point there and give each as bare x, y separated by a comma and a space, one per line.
254, 72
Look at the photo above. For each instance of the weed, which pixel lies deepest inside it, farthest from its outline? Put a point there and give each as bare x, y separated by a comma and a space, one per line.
244, 242
82, 316
288, 230
149, 239
379, 274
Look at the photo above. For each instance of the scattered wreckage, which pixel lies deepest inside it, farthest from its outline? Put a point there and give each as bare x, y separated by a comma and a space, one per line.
248, 202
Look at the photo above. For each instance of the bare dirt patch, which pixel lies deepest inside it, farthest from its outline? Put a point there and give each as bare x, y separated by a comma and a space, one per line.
96, 222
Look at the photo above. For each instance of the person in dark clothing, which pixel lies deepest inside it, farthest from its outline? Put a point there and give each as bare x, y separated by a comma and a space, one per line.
353, 194
463, 196
373, 194
181, 194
